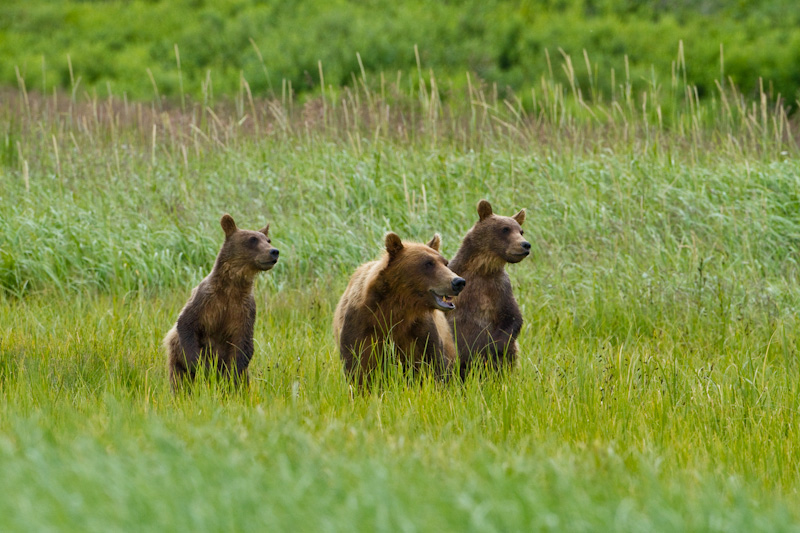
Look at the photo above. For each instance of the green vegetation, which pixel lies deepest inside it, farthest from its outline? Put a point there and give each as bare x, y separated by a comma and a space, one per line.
131, 46
657, 389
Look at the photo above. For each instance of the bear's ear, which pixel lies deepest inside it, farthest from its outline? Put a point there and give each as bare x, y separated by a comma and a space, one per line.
484, 209
436, 242
228, 225
393, 244
265, 230
520, 217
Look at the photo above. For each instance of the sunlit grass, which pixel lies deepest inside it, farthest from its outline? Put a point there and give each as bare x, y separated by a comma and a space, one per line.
657, 381
586, 434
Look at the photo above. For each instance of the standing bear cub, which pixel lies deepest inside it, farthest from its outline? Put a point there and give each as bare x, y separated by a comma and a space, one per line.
215, 327
487, 319
398, 300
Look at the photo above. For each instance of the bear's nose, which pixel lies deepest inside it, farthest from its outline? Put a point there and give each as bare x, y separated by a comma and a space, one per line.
526, 245
274, 253
458, 284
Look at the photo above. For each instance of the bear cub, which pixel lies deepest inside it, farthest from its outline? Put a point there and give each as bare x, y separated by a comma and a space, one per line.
398, 300
487, 319
215, 327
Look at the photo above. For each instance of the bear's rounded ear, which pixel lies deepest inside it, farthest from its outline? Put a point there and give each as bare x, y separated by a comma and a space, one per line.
484, 209
393, 244
436, 242
228, 225
520, 217
265, 230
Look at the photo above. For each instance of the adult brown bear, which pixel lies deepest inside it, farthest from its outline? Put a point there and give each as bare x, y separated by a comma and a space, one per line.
487, 319
398, 300
215, 327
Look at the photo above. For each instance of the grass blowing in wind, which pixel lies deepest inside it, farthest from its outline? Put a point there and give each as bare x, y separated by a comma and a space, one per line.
655, 387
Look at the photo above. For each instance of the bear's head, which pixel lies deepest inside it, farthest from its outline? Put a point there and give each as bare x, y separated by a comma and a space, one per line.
499, 236
245, 250
420, 273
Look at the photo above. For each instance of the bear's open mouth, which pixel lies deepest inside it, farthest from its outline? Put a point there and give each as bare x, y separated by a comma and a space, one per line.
443, 302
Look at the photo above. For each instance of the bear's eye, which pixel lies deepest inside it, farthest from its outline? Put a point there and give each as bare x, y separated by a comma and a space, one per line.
506, 230
521, 232
252, 241
429, 263
269, 241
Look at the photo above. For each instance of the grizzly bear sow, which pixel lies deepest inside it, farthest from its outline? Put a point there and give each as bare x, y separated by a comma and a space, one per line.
215, 327
398, 299
487, 319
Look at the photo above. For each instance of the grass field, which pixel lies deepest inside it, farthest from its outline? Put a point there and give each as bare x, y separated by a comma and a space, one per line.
658, 385
150, 49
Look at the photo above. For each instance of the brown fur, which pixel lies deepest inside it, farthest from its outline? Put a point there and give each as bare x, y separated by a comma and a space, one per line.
215, 327
391, 300
487, 319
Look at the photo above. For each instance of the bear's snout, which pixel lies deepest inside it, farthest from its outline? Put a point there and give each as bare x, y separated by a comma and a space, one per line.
520, 250
458, 284
267, 259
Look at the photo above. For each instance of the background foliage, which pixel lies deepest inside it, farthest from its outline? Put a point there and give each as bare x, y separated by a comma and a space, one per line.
113, 44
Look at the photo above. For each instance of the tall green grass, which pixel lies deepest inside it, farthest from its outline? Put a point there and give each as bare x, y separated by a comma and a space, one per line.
657, 384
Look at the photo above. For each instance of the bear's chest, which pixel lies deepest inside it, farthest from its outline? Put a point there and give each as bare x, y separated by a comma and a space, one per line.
484, 299
225, 320
416, 340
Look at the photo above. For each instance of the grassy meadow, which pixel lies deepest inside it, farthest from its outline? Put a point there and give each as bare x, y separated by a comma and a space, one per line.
148, 49
658, 384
